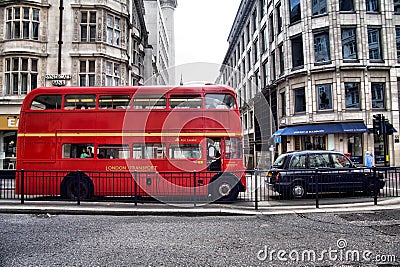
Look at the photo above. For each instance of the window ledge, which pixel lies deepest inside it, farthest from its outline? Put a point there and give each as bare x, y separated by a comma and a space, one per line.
294, 23
319, 15
322, 63
351, 109
300, 67
347, 11
351, 61
377, 61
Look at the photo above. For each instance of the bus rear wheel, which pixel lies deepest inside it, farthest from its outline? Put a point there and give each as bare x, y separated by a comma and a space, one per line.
224, 189
74, 188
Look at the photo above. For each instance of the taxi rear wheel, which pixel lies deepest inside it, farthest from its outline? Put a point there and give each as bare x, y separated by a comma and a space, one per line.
298, 190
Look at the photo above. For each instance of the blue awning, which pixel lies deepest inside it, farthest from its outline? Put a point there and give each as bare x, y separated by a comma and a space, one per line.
323, 128
279, 132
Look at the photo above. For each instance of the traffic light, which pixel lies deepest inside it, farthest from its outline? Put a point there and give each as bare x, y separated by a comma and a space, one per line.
389, 129
377, 124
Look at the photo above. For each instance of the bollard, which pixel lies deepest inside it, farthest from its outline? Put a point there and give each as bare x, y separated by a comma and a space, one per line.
22, 186
194, 189
256, 189
79, 188
375, 186
317, 174
135, 187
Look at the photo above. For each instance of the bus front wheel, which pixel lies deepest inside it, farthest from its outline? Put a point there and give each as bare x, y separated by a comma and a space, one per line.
73, 187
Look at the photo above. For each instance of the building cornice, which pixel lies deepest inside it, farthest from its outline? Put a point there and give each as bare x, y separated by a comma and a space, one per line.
241, 17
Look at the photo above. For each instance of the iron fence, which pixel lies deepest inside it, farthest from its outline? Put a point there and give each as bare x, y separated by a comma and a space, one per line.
261, 187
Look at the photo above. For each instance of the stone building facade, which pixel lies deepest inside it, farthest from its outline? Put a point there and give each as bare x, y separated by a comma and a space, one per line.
68, 43
324, 67
159, 17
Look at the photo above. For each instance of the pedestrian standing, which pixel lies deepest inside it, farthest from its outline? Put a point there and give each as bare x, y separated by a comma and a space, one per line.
369, 159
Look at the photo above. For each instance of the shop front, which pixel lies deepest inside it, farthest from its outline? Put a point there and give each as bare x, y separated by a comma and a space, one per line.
344, 137
8, 139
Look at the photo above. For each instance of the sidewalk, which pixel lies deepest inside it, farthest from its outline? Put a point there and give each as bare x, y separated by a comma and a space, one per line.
160, 209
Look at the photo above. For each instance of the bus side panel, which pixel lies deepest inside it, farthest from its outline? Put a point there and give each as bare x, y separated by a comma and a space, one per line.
79, 120
145, 121
39, 149
182, 119
37, 122
110, 120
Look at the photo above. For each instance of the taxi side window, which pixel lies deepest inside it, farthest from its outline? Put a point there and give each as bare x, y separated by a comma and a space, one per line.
317, 161
298, 162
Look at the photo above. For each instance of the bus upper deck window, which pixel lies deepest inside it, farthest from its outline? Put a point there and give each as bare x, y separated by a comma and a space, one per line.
185, 101
149, 102
220, 101
114, 101
80, 102
46, 102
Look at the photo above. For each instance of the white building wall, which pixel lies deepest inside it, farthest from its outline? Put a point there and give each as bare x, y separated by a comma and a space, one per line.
335, 71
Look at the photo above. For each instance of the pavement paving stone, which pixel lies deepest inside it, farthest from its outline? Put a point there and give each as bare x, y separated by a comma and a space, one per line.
180, 209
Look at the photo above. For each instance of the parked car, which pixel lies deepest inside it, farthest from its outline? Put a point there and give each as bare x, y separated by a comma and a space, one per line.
294, 174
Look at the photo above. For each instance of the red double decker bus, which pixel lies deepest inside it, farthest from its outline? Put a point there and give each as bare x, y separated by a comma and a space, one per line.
155, 134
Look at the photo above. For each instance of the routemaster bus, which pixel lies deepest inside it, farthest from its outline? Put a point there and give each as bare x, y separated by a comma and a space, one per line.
86, 141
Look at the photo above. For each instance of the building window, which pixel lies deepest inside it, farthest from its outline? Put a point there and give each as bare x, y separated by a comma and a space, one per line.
372, 5
87, 72
112, 74
279, 17
396, 6
273, 66
378, 95
88, 26
265, 71
271, 28
250, 119
248, 33
283, 104
262, 8
21, 75
255, 49
264, 39
248, 61
243, 43
113, 30
349, 44
135, 53
281, 60
398, 42
321, 47
297, 52
374, 44
22, 23
295, 11
299, 100
352, 95
346, 5
318, 7
254, 17
324, 96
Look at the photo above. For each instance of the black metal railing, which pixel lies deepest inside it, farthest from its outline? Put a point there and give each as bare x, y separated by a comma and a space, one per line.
262, 188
